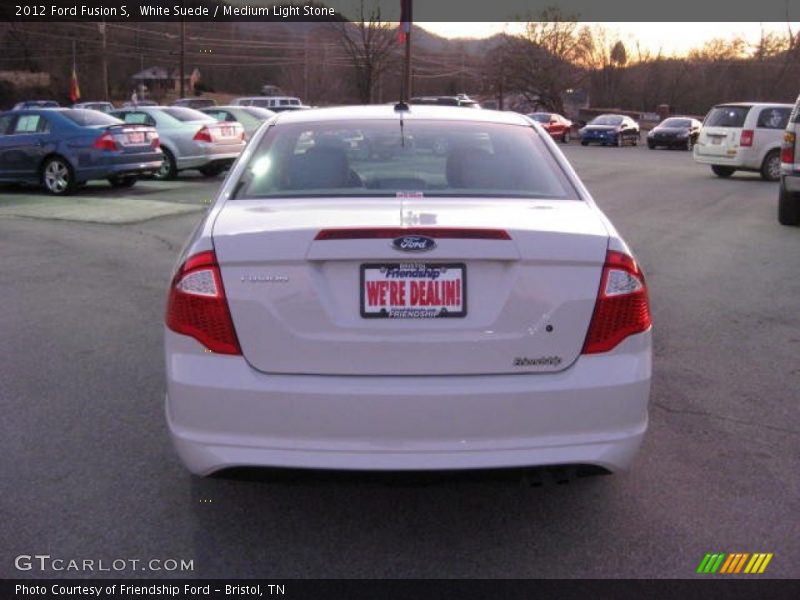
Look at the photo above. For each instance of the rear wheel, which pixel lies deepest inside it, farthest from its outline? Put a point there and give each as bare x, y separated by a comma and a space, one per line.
618, 142
168, 169
123, 182
565, 138
689, 144
788, 208
57, 176
721, 171
584, 143
771, 167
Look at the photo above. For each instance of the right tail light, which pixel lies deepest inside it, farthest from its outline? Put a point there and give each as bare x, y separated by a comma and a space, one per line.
622, 308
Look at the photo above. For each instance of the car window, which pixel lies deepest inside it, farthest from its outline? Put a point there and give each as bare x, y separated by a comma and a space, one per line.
676, 123
773, 118
31, 124
219, 115
5, 123
139, 118
432, 158
726, 116
87, 117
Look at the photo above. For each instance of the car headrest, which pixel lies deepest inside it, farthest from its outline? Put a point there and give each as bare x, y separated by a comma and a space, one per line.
319, 168
472, 167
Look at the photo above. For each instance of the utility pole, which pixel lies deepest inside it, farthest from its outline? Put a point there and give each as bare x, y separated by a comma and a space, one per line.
305, 70
104, 56
182, 61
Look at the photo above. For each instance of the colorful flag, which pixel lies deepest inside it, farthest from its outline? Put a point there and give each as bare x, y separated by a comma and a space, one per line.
74, 90
405, 21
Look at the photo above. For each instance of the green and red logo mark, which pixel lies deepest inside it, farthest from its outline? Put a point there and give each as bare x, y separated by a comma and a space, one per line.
732, 564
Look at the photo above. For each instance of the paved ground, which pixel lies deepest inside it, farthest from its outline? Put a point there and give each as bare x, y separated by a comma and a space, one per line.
88, 471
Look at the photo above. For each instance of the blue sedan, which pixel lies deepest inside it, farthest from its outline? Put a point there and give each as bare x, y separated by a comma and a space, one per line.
63, 148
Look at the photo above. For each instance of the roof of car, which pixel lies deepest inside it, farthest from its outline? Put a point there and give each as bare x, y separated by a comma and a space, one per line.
751, 104
414, 112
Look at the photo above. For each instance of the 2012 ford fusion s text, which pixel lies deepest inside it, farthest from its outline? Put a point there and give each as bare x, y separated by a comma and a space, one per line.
386, 287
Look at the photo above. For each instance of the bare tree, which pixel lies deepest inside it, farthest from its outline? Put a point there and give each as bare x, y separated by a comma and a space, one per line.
369, 44
543, 62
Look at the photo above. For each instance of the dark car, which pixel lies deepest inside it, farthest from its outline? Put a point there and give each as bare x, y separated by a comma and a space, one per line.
557, 126
614, 130
674, 132
64, 147
36, 104
196, 103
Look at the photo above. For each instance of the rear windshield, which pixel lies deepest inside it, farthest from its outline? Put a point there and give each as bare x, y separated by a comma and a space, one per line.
726, 116
676, 123
374, 158
184, 114
604, 120
89, 118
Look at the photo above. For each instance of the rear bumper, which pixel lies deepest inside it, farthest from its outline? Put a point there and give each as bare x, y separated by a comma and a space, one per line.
222, 413
118, 170
791, 181
211, 155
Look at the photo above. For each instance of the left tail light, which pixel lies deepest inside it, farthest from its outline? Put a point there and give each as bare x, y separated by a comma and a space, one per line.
203, 135
105, 142
197, 305
747, 138
622, 308
155, 140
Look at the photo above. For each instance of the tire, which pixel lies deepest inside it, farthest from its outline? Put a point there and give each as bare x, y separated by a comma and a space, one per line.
123, 182
651, 146
689, 144
636, 140
58, 177
619, 141
771, 167
788, 208
721, 171
211, 170
565, 138
584, 143
169, 169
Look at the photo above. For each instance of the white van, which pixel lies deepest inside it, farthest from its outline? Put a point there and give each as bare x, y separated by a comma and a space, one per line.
743, 136
273, 103
789, 193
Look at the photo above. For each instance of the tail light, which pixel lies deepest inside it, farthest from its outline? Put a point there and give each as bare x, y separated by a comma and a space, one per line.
105, 142
155, 141
197, 306
787, 149
203, 135
747, 138
622, 308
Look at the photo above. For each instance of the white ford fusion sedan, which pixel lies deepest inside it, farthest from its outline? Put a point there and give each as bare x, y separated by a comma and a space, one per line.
384, 287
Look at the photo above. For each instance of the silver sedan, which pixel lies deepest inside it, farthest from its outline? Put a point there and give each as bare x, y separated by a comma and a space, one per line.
189, 138
251, 117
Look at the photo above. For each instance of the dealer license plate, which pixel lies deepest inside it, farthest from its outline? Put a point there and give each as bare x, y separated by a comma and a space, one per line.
136, 137
413, 290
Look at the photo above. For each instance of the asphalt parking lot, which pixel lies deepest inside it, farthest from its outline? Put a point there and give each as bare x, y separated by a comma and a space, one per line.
89, 472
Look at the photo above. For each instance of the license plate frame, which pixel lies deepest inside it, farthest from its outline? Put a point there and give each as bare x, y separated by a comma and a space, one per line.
135, 137
410, 312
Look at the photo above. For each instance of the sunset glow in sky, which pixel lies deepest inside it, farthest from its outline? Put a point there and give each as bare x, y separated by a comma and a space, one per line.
670, 38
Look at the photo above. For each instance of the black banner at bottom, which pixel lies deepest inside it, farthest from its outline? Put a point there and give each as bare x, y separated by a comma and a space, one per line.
400, 589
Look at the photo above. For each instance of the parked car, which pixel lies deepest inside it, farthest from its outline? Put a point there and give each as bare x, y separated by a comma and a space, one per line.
334, 310
615, 130
789, 192
556, 125
196, 103
250, 117
189, 139
273, 103
105, 107
460, 100
36, 104
674, 132
63, 148
743, 136
140, 103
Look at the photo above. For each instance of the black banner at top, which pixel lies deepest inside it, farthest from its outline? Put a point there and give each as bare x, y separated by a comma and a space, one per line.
710, 11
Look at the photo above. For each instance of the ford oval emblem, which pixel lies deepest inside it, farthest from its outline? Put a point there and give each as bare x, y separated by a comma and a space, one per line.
414, 243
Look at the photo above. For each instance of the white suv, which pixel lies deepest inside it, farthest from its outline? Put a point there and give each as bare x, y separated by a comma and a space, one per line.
789, 195
743, 136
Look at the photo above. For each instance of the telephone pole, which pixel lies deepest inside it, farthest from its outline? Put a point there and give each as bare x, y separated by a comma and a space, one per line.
182, 61
104, 57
